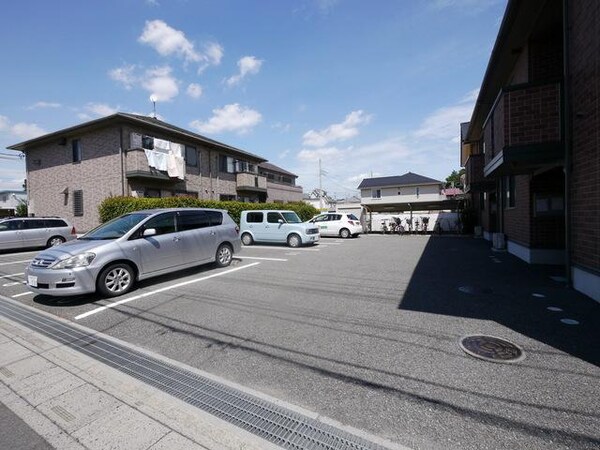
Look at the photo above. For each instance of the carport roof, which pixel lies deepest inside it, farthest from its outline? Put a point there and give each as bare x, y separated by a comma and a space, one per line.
408, 179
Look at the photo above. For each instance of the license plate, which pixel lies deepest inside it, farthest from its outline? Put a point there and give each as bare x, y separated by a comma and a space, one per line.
32, 281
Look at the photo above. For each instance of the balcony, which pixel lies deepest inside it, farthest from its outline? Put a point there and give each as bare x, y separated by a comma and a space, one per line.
137, 167
250, 182
474, 179
523, 132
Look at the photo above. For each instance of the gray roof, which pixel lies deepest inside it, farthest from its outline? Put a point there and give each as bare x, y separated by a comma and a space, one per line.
273, 168
136, 119
408, 179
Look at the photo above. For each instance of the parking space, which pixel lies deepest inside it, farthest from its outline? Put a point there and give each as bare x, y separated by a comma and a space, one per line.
366, 331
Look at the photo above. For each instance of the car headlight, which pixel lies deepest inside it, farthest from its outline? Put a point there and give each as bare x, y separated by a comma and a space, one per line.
82, 260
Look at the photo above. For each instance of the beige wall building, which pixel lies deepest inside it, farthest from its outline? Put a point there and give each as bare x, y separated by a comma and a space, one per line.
71, 171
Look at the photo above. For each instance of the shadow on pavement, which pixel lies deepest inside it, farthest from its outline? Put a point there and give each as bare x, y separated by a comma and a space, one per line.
463, 277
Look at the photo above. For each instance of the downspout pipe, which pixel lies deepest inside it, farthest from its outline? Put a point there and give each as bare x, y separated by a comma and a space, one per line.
567, 133
122, 163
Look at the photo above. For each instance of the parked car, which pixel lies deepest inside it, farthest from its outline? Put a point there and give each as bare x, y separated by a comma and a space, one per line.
337, 224
133, 247
26, 232
276, 226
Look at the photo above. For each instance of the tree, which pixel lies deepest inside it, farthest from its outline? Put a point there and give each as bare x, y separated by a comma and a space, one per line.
453, 180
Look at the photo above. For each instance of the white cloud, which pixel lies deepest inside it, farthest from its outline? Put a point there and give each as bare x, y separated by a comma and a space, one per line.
194, 90
444, 123
100, 109
160, 83
26, 130
21, 130
231, 117
213, 52
168, 41
324, 154
338, 131
40, 105
124, 75
326, 6
248, 65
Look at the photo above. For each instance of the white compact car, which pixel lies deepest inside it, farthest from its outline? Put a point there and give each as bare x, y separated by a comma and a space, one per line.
338, 224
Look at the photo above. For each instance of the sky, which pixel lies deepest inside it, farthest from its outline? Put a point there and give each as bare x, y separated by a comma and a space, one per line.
370, 88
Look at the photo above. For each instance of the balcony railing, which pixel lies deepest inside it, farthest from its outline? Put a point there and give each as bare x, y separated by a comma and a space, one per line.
250, 181
525, 120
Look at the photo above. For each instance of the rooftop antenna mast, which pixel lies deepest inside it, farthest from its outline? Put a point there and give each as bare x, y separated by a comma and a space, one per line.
153, 100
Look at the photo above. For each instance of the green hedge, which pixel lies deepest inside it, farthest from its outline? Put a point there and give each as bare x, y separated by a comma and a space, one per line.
115, 206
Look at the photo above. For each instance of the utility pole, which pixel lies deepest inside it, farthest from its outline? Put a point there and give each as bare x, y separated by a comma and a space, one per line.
320, 187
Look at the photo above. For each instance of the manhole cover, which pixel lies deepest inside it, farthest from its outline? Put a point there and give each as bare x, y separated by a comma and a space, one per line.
475, 290
535, 294
491, 348
554, 308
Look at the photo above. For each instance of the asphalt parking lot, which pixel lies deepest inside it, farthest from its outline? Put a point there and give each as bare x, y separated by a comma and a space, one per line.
365, 331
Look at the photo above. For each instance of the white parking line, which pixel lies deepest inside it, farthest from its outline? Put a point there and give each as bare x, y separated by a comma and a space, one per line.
258, 257
287, 249
14, 283
18, 254
157, 291
13, 275
21, 295
14, 262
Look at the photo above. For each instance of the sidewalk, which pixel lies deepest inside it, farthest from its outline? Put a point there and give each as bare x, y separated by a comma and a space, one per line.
74, 402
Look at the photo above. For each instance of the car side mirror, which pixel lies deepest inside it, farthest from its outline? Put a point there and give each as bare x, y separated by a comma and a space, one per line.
280, 221
149, 232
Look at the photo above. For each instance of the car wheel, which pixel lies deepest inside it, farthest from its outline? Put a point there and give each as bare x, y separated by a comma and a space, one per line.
116, 279
294, 240
54, 241
224, 255
247, 239
344, 233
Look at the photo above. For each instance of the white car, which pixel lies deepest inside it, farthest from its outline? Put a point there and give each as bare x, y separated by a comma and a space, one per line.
338, 224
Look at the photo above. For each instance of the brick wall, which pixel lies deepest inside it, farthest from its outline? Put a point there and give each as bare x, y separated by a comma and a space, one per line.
585, 89
533, 115
50, 171
517, 220
548, 231
546, 57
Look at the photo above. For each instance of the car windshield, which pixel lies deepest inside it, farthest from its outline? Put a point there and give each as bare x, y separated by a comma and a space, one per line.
291, 217
115, 228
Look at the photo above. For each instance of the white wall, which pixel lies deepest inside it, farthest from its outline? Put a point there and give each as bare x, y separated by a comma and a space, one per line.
403, 194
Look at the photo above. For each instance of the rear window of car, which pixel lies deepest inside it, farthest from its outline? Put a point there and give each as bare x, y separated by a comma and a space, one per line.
191, 220
215, 217
254, 217
55, 223
352, 217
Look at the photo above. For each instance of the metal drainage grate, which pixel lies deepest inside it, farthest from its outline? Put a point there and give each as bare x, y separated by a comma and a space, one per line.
491, 348
273, 423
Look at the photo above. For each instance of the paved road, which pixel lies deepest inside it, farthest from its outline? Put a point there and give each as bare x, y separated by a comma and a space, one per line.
365, 331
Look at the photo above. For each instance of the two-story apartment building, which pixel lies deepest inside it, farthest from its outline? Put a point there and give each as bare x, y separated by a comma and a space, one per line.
281, 184
531, 147
70, 171
408, 192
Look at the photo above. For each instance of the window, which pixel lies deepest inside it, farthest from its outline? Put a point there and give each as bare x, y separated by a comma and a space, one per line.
215, 218
274, 217
191, 156
34, 224
163, 224
191, 220
76, 146
152, 193
417, 191
375, 193
11, 225
78, 203
254, 217
55, 223
148, 142
226, 197
226, 164
549, 205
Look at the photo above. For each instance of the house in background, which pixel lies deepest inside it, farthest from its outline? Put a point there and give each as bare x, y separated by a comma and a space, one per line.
71, 171
531, 148
408, 192
9, 200
281, 184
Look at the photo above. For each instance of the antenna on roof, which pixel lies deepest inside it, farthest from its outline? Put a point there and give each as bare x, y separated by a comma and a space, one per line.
153, 100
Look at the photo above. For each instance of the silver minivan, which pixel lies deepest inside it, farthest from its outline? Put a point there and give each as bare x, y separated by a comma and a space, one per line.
133, 247
278, 226
26, 232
